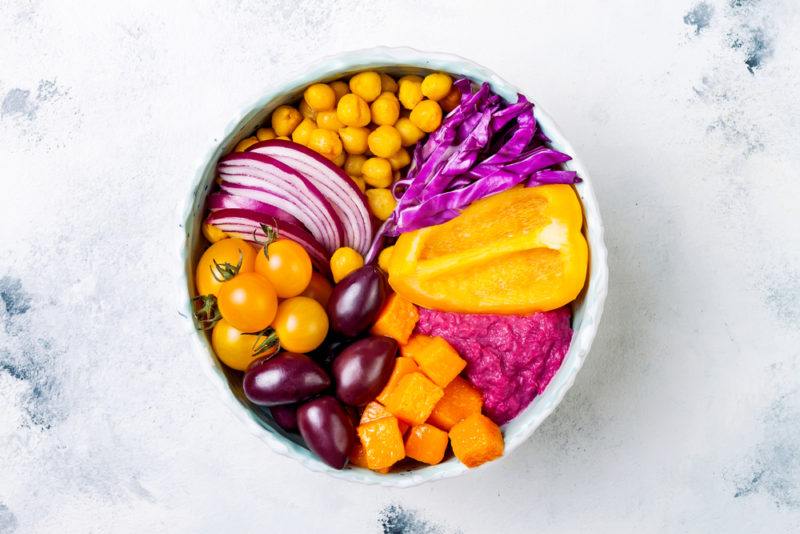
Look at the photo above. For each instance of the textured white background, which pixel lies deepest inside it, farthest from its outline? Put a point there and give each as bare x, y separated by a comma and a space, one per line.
686, 417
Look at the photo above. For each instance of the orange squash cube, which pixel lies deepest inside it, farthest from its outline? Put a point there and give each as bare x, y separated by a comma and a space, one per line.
397, 319
426, 443
383, 442
461, 399
402, 367
375, 410
435, 357
476, 440
358, 456
414, 398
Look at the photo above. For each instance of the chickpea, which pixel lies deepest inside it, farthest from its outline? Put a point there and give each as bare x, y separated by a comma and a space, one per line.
436, 85
388, 83
245, 143
283, 138
339, 89
303, 131
329, 120
410, 91
353, 164
320, 97
385, 109
353, 110
399, 159
344, 261
384, 141
340, 159
306, 111
367, 85
212, 233
427, 115
285, 119
265, 134
325, 142
409, 132
377, 172
360, 183
384, 258
381, 202
452, 99
354, 139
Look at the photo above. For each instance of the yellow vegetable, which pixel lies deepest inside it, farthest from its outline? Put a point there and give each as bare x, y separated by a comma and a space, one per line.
354, 139
409, 132
366, 84
320, 97
306, 111
325, 142
377, 172
265, 134
212, 233
339, 89
245, 143
427, 115
436, 86
388, 83
384, 257
285, 119
399, 159
344, 261
353, 110
381, 203
385, 109
353, 164
329, 120
341, 158
384, 141
410, 91
303, 131
359, 181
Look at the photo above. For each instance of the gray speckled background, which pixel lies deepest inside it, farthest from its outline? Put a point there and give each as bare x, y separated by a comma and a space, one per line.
686, 417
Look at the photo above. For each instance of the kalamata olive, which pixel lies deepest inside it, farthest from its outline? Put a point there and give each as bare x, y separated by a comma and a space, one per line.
285, 416
327, 430
356, 300
329, 350
362, 369
284, 378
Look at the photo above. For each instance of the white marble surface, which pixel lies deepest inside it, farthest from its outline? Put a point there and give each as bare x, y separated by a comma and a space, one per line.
686, 417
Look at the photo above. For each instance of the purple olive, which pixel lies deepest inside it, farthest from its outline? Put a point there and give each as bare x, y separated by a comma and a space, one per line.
283, 379
356, 300
285, 416
363, 369
327, 430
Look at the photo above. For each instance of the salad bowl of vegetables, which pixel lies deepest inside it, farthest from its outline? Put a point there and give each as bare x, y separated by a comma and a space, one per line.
394, 266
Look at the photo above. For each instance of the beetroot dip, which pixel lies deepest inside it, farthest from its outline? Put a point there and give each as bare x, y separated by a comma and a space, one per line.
510, 358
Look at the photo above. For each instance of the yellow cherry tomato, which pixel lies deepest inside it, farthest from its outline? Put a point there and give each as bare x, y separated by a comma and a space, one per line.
265, 134
410, 91
214, 234
286, 265
285, 119
339, 89
306, 111
329, 120
325, 142
318, 289
301, 324
319, 97
354, 139
399, 159
436, 85
450, 101
384, 141
427, 115
384, 257
367, 85
221, 259
302, 133
245, 143
360, 183
344, 261
353, 110
388, 83
385, 109
234, 348
381, 203
377, 172
409, 132
353, 164
248, 302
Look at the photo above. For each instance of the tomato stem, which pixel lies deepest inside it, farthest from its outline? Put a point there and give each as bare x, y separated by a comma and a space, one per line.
207, 314
267, 340
226, 271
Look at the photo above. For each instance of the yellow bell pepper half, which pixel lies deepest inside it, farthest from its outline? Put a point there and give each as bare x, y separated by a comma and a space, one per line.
516, 252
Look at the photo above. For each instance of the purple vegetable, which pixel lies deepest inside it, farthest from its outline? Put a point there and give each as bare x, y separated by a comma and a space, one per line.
285, 378
362, 369
285, 416
221, 200
327, 430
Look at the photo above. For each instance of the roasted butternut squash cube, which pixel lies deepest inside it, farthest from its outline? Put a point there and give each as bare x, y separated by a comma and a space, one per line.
426, 443
476, 440
414, 398
461, 399
435, 357
402, 367
375, 410
358, 455
382, 442
397, 319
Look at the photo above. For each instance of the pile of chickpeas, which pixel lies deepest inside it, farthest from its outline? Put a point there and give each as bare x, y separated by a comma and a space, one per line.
365, 126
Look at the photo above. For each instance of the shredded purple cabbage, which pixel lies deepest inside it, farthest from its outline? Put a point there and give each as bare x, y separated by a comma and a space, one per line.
483, 147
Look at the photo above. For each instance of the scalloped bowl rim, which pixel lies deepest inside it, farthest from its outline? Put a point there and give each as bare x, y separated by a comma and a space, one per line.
586, 315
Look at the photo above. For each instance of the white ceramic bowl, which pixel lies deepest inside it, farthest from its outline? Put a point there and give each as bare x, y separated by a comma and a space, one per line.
586, 310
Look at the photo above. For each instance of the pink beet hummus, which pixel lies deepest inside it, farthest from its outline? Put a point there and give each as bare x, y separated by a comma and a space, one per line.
510, 358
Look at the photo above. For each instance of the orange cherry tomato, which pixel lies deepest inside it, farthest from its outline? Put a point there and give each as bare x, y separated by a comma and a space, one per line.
318, 289
248, 302
227, 253
287, 265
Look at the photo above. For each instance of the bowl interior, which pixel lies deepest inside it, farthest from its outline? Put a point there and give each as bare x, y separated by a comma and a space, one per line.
586, 309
